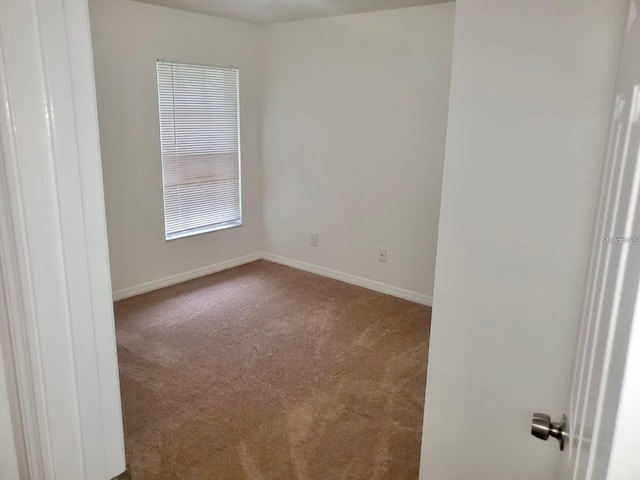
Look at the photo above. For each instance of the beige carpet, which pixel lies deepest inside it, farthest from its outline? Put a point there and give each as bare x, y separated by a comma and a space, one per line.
264, 372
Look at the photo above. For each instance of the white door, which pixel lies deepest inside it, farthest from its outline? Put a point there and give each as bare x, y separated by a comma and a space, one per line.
530, 108
612, 286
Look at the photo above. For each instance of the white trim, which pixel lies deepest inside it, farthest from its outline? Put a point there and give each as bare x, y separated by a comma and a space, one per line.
183, 277
352, 279
416, 297
19, 318
200, 230
55, 267
10, 446
17, 339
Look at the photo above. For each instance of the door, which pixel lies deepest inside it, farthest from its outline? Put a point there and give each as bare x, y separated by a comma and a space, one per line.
612, 286
529, 114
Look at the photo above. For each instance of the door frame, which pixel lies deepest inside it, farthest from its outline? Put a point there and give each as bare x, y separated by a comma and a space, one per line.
12, 437
60, 335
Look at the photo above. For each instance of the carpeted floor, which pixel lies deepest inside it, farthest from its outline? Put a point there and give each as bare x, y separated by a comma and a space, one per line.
264, 372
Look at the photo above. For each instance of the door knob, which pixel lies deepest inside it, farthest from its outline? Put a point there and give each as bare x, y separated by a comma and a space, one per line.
542, 427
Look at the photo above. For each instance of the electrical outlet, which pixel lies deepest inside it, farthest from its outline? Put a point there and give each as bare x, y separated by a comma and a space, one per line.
314, 239
382, 254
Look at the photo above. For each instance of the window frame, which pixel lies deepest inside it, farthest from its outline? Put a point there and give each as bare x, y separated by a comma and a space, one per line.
190, 232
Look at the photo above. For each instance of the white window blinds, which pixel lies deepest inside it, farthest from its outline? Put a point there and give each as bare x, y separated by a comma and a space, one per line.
200, 147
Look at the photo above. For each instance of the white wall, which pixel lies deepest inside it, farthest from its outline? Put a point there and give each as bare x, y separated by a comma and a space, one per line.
355, 116
349, 115
128, 37
531, 90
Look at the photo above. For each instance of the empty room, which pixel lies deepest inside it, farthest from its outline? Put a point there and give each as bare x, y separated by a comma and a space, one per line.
283, 173
319, 239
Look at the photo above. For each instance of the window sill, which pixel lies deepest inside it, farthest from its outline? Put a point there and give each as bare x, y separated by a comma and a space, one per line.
201, 230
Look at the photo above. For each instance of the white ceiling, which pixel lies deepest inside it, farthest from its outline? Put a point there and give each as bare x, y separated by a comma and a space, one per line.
272, 11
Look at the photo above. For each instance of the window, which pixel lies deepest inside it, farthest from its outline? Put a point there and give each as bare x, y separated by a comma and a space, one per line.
199, 136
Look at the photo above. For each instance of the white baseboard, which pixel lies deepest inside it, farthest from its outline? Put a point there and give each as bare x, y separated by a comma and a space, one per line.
183, 277
307, 267
351, 279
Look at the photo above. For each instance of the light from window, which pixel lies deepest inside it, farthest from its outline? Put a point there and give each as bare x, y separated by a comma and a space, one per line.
199, 136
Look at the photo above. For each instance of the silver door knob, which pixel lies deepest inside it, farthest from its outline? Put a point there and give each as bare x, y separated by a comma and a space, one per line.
542, 427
